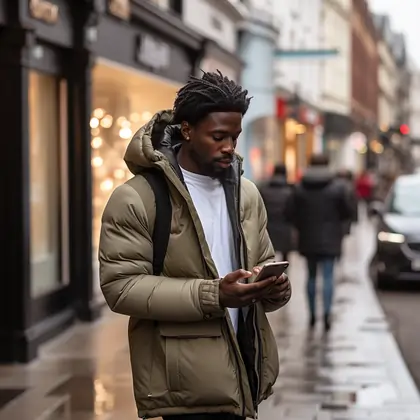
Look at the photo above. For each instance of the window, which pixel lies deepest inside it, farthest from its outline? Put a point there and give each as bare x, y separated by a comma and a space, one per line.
123, 101
216, 23
48, 192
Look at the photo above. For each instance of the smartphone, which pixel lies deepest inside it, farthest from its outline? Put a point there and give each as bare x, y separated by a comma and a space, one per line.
272, 269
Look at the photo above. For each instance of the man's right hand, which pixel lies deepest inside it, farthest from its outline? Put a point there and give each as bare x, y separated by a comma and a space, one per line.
233, 294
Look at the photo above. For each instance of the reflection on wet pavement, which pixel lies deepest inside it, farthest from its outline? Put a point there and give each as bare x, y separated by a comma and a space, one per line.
353, 373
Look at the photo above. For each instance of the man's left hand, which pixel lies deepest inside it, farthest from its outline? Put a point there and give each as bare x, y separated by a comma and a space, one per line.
281, 289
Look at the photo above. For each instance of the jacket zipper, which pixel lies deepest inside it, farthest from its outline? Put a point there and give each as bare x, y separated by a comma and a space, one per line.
254, 323
259, 356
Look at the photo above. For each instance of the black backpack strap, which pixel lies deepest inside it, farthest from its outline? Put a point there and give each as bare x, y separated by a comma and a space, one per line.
162, 227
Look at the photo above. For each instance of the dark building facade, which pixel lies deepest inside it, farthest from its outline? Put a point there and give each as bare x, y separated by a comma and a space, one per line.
364, 70
77, 79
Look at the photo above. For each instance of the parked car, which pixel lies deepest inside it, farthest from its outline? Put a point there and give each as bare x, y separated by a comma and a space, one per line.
397, 256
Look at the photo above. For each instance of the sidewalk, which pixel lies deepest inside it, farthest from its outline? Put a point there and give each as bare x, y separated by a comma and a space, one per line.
354, 373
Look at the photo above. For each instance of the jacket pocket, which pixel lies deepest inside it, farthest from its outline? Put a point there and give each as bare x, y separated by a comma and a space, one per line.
199, 367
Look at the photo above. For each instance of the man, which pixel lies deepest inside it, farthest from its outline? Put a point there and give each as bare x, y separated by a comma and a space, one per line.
276, 193
320, 205
200, 343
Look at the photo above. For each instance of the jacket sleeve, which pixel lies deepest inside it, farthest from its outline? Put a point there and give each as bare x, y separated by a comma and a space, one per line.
125, 256
267, 253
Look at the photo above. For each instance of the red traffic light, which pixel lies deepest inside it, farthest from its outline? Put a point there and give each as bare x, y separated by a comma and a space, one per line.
404, 129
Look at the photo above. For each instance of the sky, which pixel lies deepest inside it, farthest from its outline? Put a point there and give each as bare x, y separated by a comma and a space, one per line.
404, 18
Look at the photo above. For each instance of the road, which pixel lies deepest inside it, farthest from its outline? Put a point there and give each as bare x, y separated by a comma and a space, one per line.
402, 307
401, 304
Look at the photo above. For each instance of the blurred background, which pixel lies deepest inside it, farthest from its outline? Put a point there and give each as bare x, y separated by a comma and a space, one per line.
78, 78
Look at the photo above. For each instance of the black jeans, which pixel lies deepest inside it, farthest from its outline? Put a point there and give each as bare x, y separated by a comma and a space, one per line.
221, 416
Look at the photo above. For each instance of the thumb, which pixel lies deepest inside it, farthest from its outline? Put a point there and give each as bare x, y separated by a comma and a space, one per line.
237, 275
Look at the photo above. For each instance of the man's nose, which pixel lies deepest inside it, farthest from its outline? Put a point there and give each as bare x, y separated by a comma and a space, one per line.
229, 146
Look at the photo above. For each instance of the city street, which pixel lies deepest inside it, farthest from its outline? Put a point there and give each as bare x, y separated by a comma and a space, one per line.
354, 373
122, 112
400, 302
399, 306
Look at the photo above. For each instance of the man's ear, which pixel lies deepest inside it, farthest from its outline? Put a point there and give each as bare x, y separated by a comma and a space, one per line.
186, 130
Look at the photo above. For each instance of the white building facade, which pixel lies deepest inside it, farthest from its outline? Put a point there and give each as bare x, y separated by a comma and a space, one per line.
300, 29
218, 21
259, 140
298, 81
387, 75
336, 77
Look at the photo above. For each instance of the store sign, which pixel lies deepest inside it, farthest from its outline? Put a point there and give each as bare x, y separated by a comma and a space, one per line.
44, 10
120, 8
153, 53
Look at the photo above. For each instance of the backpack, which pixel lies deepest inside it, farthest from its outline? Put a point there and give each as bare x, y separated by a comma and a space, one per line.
162, 227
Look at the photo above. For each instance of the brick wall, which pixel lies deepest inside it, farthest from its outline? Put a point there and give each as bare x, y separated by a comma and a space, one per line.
365, 62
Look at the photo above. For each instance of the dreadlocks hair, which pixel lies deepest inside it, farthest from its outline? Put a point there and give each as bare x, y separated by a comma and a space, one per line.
213, 92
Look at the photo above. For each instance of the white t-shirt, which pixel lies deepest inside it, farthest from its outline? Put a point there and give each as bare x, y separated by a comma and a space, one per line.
209, 200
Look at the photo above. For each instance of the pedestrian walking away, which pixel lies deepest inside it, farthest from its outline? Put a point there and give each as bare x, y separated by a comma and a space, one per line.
201, 346
321, 203
276, 193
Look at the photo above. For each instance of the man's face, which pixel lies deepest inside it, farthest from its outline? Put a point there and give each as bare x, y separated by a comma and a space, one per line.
211, 143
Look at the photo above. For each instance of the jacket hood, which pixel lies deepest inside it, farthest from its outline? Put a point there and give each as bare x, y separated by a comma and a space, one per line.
148, 143
317, 177
154, 141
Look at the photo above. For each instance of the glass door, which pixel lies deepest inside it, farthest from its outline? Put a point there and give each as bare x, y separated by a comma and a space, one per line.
48, 183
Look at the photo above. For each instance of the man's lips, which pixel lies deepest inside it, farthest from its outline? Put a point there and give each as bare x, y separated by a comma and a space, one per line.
224, 162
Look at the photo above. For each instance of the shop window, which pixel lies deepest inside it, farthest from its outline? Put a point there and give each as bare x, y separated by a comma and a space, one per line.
123, 101
48, 191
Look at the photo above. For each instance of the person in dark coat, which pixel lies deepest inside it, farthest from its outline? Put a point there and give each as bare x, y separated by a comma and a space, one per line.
347, 177
276, 193
319, 206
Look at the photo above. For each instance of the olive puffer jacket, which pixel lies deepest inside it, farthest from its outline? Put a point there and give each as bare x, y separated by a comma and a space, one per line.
185, 355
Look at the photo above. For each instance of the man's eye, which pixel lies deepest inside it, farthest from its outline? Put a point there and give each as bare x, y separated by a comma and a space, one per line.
218, 138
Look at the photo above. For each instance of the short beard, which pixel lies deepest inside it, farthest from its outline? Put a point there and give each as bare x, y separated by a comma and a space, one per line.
209, 168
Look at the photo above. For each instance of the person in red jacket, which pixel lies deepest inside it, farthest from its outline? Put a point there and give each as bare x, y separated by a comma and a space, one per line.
364, 186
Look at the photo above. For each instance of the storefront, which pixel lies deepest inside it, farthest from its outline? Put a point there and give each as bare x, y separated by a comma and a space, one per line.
301, 132
78, 83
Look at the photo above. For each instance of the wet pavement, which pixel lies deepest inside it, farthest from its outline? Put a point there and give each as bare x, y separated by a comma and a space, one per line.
356, 372
400, 303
